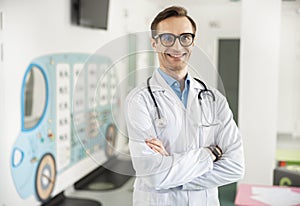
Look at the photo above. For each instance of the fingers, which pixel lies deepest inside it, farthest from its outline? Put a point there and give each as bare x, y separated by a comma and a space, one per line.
218, 148
157, 146
154, 141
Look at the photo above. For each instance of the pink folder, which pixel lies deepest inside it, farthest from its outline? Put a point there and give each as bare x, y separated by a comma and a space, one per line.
259, 195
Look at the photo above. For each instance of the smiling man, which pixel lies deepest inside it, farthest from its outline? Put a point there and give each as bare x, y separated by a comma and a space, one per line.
183, 141
173, 55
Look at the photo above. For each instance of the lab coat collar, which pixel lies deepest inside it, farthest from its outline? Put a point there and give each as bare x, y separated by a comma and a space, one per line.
159, 84
195, 85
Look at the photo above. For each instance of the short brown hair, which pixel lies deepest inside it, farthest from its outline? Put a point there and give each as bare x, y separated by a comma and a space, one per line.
170, 12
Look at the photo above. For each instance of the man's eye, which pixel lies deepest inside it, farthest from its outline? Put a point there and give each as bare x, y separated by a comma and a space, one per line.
167, 38
185, 38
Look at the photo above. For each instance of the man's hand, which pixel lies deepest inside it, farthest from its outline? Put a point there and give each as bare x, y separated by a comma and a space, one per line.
216, 152
157, 146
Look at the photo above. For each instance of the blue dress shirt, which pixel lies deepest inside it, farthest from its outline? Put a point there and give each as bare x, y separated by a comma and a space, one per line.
175, 85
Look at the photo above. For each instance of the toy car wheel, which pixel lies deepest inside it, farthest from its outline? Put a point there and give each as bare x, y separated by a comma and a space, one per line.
45, 177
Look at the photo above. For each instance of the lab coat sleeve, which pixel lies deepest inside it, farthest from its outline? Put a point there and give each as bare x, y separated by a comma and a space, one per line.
230, 168
158, 171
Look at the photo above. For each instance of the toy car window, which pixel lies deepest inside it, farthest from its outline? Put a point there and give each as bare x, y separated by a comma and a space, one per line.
34, 97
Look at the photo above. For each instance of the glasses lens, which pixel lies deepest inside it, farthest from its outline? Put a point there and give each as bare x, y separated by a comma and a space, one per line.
186, 39
167, 39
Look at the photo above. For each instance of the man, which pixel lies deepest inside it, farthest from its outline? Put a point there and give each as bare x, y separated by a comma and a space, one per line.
183, 141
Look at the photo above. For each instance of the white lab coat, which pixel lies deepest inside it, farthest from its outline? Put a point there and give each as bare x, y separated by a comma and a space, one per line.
188, 176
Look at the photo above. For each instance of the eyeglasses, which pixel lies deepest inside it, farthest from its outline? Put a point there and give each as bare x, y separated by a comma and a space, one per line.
168, 39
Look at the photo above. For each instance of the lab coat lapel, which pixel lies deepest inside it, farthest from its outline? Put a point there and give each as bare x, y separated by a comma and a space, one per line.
159, 83
193, 106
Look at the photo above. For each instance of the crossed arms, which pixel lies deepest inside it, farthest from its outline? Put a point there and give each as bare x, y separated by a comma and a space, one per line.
191, 170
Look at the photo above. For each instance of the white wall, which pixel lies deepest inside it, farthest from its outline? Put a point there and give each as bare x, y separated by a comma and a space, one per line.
2, 95
259, 68
289, 75
34, 28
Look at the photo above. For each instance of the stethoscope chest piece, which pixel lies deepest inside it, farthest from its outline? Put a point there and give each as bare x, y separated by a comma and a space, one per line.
161, 122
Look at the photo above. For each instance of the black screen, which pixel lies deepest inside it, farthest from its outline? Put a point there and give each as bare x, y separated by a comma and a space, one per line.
90, 13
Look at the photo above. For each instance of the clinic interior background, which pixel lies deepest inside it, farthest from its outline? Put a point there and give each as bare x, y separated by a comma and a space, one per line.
269, 72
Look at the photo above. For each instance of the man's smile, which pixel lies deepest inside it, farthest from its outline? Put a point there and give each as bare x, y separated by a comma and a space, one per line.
176, 55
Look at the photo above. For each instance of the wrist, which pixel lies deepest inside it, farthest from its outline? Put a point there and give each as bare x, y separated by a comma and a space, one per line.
216, 152
211, 154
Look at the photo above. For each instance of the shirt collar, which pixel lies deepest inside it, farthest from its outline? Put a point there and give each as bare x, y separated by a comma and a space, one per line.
171, 81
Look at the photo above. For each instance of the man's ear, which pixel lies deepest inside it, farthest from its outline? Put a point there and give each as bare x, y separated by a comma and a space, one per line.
194, 42
153, 43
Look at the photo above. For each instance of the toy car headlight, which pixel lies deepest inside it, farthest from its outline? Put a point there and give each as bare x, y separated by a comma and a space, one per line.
17, 157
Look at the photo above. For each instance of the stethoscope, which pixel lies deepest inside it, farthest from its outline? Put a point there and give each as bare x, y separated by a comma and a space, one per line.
161, 122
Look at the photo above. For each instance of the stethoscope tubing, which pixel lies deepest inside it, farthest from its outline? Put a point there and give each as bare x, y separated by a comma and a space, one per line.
202, 91
153, 98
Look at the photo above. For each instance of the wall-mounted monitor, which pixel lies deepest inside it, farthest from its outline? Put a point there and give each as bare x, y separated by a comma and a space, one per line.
90, 13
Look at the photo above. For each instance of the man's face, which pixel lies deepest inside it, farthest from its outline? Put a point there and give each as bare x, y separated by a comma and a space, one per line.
174, 57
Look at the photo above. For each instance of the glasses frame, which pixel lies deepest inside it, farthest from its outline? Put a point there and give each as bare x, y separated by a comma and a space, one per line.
175, 37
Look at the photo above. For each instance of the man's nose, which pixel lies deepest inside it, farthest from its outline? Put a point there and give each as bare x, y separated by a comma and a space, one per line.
177, 44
